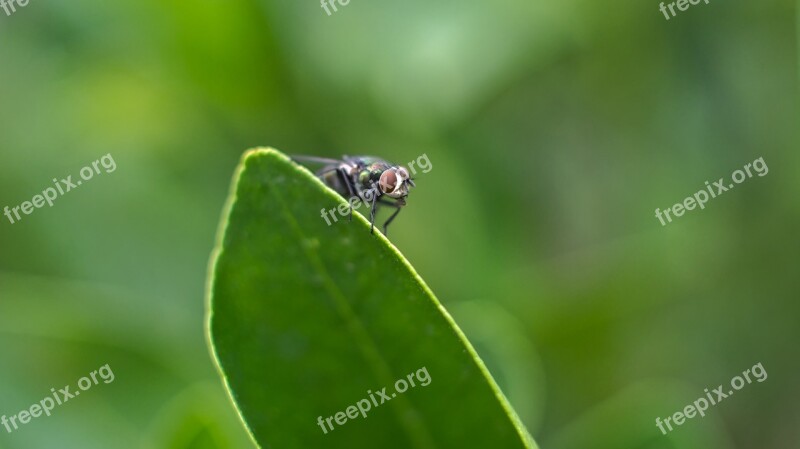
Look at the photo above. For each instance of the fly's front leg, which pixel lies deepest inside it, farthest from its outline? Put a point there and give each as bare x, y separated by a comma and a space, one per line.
397, 211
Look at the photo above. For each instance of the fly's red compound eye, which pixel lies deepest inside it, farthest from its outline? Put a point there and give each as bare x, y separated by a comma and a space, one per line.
388, 181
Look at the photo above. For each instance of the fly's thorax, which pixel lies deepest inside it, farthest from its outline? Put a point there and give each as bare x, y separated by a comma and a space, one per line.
367, 186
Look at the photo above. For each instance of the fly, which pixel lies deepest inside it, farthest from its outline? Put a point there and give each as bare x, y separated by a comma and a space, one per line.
374, 180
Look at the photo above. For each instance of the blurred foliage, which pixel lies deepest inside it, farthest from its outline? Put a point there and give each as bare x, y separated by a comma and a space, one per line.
554, 128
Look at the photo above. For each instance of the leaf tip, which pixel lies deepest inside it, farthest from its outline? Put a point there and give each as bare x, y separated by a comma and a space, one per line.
258, 152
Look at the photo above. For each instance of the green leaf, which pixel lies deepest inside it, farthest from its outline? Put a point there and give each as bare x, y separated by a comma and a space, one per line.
307, 319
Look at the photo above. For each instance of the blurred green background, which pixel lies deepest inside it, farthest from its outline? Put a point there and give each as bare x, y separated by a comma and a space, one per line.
554, 128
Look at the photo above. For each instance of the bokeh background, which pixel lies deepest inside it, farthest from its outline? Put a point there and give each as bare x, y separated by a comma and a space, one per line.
555, 128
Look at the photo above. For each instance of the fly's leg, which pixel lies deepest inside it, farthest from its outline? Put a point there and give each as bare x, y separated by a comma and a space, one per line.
386, 225
372, 214
397, 211
349, 183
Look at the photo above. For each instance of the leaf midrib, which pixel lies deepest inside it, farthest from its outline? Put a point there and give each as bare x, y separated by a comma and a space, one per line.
417, 429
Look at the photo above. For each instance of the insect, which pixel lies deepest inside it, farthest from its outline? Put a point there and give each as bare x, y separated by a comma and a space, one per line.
372, 179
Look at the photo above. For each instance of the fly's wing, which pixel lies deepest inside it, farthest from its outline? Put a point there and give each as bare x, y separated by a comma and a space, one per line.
329, 173
364, 161
315, 159
330, 165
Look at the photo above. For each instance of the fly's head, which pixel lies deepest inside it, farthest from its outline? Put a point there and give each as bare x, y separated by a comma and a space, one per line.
395, 182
